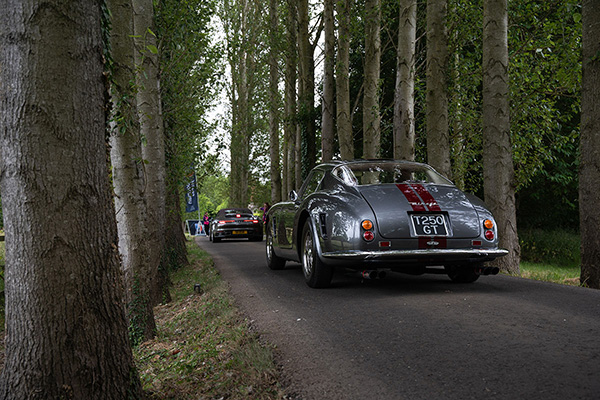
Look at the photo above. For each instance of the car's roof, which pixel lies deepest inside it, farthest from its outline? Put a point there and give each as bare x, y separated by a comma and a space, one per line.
335, 163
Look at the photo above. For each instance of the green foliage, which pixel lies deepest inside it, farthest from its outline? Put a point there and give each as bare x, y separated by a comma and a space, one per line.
558, 247
545, 73
191, 71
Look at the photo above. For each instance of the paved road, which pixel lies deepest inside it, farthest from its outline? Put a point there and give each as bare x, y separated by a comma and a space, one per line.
419, 337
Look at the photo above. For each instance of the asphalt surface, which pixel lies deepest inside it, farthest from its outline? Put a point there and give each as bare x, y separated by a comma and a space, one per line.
418, 337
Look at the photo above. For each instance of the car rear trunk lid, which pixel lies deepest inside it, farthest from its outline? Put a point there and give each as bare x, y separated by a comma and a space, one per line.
394, 203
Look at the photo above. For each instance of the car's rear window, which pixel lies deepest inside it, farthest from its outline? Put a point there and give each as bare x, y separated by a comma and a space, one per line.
233, 213
369, 173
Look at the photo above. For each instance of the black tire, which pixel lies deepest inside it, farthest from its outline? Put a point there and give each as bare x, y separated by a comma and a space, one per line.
316, 273
273, 261
462, 274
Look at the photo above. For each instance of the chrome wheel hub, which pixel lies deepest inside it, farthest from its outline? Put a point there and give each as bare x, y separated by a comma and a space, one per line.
307, 256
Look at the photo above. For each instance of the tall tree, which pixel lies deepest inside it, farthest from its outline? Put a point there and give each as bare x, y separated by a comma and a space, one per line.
242, 38
404, 96
306, 95
438, 147
66, 331
371, 114
129, 176
153, 148
498, 170
589, 170
328, 104
274, 102
342, 82
290, 96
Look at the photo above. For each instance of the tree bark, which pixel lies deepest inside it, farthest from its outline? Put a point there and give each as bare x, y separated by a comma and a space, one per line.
438, 146
66, 331
344, 116
589, 169
153, 148
327, 124
290, 97
307, 90
498, 170
371, 114
128, 176
274, 103
404, 97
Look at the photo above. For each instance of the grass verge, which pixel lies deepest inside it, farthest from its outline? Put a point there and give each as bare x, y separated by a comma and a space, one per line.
568, 275
204, 349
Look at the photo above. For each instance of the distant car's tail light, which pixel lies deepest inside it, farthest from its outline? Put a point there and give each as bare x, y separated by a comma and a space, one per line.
368, 236
489, 235
488, 224
238, 216
225, 222
367, 225
254, 221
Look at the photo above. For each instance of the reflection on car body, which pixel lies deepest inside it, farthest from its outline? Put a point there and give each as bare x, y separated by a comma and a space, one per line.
378, 216
235, 223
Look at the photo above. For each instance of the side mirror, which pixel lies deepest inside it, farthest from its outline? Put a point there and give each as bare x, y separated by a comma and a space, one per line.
293, 196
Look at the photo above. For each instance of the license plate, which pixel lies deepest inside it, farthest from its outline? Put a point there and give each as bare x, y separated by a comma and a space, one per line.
240, 232
429, 224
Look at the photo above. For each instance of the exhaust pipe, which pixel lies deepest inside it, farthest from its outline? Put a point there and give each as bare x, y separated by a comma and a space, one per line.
372, 274
369, 274
487, 271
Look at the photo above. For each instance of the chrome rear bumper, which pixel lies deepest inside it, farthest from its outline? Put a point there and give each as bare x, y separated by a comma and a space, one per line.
423, 254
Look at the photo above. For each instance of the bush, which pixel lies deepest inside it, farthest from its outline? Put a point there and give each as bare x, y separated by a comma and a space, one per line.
557, 247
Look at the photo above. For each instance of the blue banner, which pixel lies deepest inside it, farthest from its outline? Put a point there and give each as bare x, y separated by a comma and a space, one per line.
191, 194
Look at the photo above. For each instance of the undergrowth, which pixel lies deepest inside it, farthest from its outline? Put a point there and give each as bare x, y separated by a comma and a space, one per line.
204, 349
558, 248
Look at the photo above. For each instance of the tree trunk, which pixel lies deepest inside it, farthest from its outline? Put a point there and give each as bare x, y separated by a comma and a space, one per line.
66, 331
371, 115
307, 90
589, 170
128, 176
153, 149
404, 98
327, 124
498, 170
176, 250
438, 146
342, 82
290, 96
274, 104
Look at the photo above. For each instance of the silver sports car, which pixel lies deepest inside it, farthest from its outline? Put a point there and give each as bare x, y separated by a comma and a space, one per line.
378, 216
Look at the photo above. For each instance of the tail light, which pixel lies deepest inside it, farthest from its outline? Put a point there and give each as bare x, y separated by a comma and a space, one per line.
488, 224
368, 234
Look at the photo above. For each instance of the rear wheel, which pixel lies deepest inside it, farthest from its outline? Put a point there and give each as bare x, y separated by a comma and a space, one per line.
316, 273
273, 260
462, 274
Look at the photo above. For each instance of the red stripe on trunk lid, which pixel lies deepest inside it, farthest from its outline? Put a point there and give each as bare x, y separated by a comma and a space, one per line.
427, 197
411, 197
